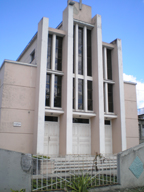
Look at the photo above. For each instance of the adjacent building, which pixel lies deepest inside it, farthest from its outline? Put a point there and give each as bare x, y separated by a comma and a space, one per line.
141, 124
65, 93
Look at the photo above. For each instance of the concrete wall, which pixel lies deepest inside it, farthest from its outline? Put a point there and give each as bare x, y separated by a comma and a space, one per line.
26, 56
84, 14
118, 128
18, 95
97, 123
15, 171
132, 133
131, 159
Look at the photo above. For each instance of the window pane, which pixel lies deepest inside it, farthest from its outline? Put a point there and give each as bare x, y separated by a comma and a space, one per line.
73, 93
51, 118
109, 65
47, 98
80, 51
89, 93
74, 49
80, 94
58, 54
49, 52
57, 91
110, 97
89, 63
78, 120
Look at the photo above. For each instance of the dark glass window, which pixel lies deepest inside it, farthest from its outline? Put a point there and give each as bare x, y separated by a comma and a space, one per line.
57, 91
73, 93
80, 94
107, 122
47, 98
49, 54
58, 54
89, 92
89, 64
78, 120
109, 64
110, 97
74, 49
80, 51
51, 118
32, 55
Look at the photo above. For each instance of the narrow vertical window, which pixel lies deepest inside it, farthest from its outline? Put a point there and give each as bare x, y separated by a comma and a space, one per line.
89, 93
73, 93
49, 54
110, 97
57, 91
47, 98
80, 94
89, 64
109, 65
80, 51
74, 49
58, 55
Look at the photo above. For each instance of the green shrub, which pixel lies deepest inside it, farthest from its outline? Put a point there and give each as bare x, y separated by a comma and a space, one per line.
22, 190
80, 183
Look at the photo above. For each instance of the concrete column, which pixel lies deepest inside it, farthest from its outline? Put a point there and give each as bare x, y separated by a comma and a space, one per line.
85, 66
53, 68
42, 45
76, 67
121, 90
118, 129
98, 129
67, 83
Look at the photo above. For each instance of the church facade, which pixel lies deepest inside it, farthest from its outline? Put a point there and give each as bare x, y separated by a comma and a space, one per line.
65, 93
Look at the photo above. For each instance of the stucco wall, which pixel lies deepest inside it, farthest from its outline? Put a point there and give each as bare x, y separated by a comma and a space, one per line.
26, 56
132, 134
18, 96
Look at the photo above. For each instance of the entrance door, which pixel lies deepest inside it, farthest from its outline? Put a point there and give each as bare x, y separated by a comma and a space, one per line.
81, 138
51, 138
108, 137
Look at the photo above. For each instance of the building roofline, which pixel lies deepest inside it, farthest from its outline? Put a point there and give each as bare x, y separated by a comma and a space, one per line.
128, 82
17, 63
26, 48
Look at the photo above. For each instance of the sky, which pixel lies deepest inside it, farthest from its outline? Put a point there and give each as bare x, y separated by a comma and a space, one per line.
123, 19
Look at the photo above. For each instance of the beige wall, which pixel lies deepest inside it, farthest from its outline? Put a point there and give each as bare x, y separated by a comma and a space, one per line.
17, 106
132, 133
82, 15
26, 58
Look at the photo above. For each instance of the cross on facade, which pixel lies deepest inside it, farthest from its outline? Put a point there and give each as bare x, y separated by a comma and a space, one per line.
80, 4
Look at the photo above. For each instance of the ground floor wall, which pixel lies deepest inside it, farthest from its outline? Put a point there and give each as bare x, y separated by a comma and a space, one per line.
81, 136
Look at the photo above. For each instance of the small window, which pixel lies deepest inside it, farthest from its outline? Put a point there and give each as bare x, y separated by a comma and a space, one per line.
32, 55
51, 118
78, 120
107, 122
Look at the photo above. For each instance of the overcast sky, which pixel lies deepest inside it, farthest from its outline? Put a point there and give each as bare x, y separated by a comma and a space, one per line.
122, 19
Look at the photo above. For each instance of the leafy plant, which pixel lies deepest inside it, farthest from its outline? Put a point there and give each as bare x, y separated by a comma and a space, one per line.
22, 190
40, 157
80, 183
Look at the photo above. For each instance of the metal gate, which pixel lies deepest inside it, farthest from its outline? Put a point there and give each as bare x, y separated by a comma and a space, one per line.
58, 173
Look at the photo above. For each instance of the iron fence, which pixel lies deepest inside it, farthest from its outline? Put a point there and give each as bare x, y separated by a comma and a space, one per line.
58, 173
